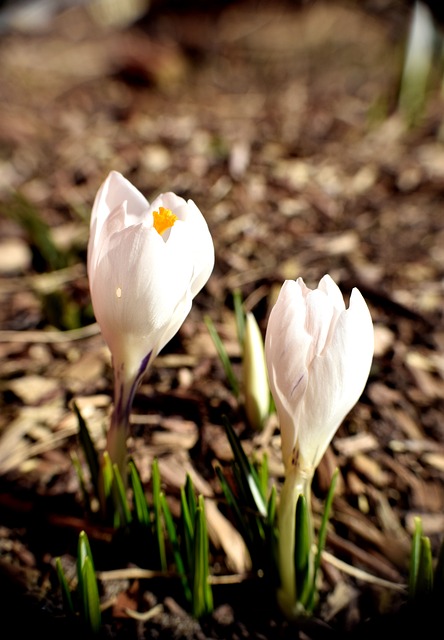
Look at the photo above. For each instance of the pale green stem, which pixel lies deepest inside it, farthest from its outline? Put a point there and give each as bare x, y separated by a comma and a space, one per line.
297, 482
116, 442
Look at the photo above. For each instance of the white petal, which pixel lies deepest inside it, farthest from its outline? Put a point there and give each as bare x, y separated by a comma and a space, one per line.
201, 246
142, 283
319, 318
138, 289
173, 202
114, 191
195, 234
337, 378
286, 347
286, 341
318, 358
112, 224
329, 286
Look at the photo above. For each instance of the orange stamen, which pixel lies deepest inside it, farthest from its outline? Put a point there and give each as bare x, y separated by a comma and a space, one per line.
163, 220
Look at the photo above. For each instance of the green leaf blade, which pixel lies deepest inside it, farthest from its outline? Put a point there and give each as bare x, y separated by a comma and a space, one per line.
223, 356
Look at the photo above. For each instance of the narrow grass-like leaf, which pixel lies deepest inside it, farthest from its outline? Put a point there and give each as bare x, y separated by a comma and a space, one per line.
322, 537
90, 596
424, 582
248, 475
157, 513
106, 497
120, 498
87, 584
263, 474
186, 524
271, 506
202, 592
83, 551
255, 519
223, 356
239, 515
247, 502
141, 508
81, 478
190, 495
205, 552
178, 559
186, 514
302, 548
239, 314
89, 450
66, 593
415, 558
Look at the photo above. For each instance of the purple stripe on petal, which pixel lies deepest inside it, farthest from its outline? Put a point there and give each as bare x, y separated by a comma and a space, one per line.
295, 386
124, 397
144, 365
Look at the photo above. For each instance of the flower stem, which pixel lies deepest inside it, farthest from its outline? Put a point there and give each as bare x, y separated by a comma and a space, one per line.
116, 441
292, 602
125, 387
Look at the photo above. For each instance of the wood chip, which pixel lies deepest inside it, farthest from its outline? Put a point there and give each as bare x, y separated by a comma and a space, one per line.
353, 445
33, 390
435, 460
371, 469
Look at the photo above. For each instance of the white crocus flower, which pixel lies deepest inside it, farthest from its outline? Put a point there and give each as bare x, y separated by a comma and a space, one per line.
318, 357
145, 265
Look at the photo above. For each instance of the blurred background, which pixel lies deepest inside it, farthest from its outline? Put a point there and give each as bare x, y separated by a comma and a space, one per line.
271, 115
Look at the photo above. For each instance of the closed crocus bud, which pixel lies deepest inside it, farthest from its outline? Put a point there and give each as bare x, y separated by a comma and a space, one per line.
318, 356
145, 265
256, 389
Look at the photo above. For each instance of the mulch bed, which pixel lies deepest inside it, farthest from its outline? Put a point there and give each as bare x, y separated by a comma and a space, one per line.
281, 123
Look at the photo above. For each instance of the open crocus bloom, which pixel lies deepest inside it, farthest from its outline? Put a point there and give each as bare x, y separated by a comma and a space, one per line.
318, 356
145, 265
